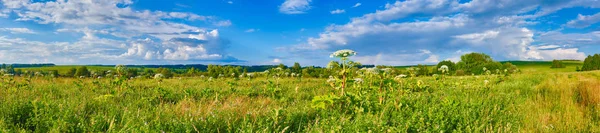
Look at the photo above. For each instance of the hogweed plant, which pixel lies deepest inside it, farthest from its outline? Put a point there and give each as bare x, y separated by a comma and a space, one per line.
346, 63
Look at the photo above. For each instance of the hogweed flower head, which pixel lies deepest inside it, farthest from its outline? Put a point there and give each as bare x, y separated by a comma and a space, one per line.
158, 76
443, 68
343, 53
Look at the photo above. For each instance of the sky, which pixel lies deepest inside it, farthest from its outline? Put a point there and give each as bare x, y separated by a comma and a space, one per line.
267, 32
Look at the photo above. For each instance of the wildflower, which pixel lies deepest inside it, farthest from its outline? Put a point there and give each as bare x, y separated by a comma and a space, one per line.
158, 76
278, 68
373, 70
358, 80
99, 77
400, 77
387, 70
486, 82
443, 69
220, 75
331, 79
232, 74
484, 69
343, 53
120, 69
250, 75
201, 76
505, 70
210, 78
241, 76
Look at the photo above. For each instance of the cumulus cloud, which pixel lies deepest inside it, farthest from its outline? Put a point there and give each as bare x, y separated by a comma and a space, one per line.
111, 31
338, 11
18, 30
478, 26
295, 6
276, 60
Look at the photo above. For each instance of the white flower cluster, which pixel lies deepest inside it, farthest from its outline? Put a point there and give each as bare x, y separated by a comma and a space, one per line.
343, 53
443, 69
331, 79
373, 70
358, 80
158, 76
400, 76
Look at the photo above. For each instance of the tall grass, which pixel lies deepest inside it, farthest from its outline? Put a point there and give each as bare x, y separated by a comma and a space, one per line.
532, 102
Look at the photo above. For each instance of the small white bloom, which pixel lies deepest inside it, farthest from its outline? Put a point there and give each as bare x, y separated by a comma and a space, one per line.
158, 76
330, 80
358, 80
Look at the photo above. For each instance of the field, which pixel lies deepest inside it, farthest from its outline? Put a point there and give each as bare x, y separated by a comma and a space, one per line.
538, 99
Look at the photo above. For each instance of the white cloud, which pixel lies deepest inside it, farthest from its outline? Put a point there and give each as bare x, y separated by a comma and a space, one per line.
229, 2
295, 6
166, 40
106, 13
18, 30
410, 58
479, 26
557, 53
276, 60
338, 11
583, 21
224, 23
251, 30
356, 5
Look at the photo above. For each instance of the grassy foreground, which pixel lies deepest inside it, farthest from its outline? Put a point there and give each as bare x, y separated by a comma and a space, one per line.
529, 102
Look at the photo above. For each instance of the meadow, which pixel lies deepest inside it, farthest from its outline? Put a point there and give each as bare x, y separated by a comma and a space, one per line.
535, 99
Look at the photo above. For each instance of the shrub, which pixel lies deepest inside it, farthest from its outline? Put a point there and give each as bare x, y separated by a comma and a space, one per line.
82, 71
473, 63
557, 64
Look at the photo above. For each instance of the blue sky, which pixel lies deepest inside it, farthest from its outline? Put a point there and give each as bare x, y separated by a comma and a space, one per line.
259, 32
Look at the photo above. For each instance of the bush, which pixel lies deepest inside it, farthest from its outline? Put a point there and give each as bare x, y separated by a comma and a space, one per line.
557, 64
460, 73
473, 63
82, 71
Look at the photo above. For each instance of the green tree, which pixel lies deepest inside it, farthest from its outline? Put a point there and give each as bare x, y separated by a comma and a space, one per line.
165, 72
473, 63
297, 68
53, 73
132, 72
82, 71
557, 64
591, 63
71, 72
282, 66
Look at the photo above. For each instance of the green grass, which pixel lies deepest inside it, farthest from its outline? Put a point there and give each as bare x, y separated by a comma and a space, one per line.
544, 66
539, 99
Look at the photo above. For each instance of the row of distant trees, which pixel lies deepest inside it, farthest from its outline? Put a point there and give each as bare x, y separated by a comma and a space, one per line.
472, 63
